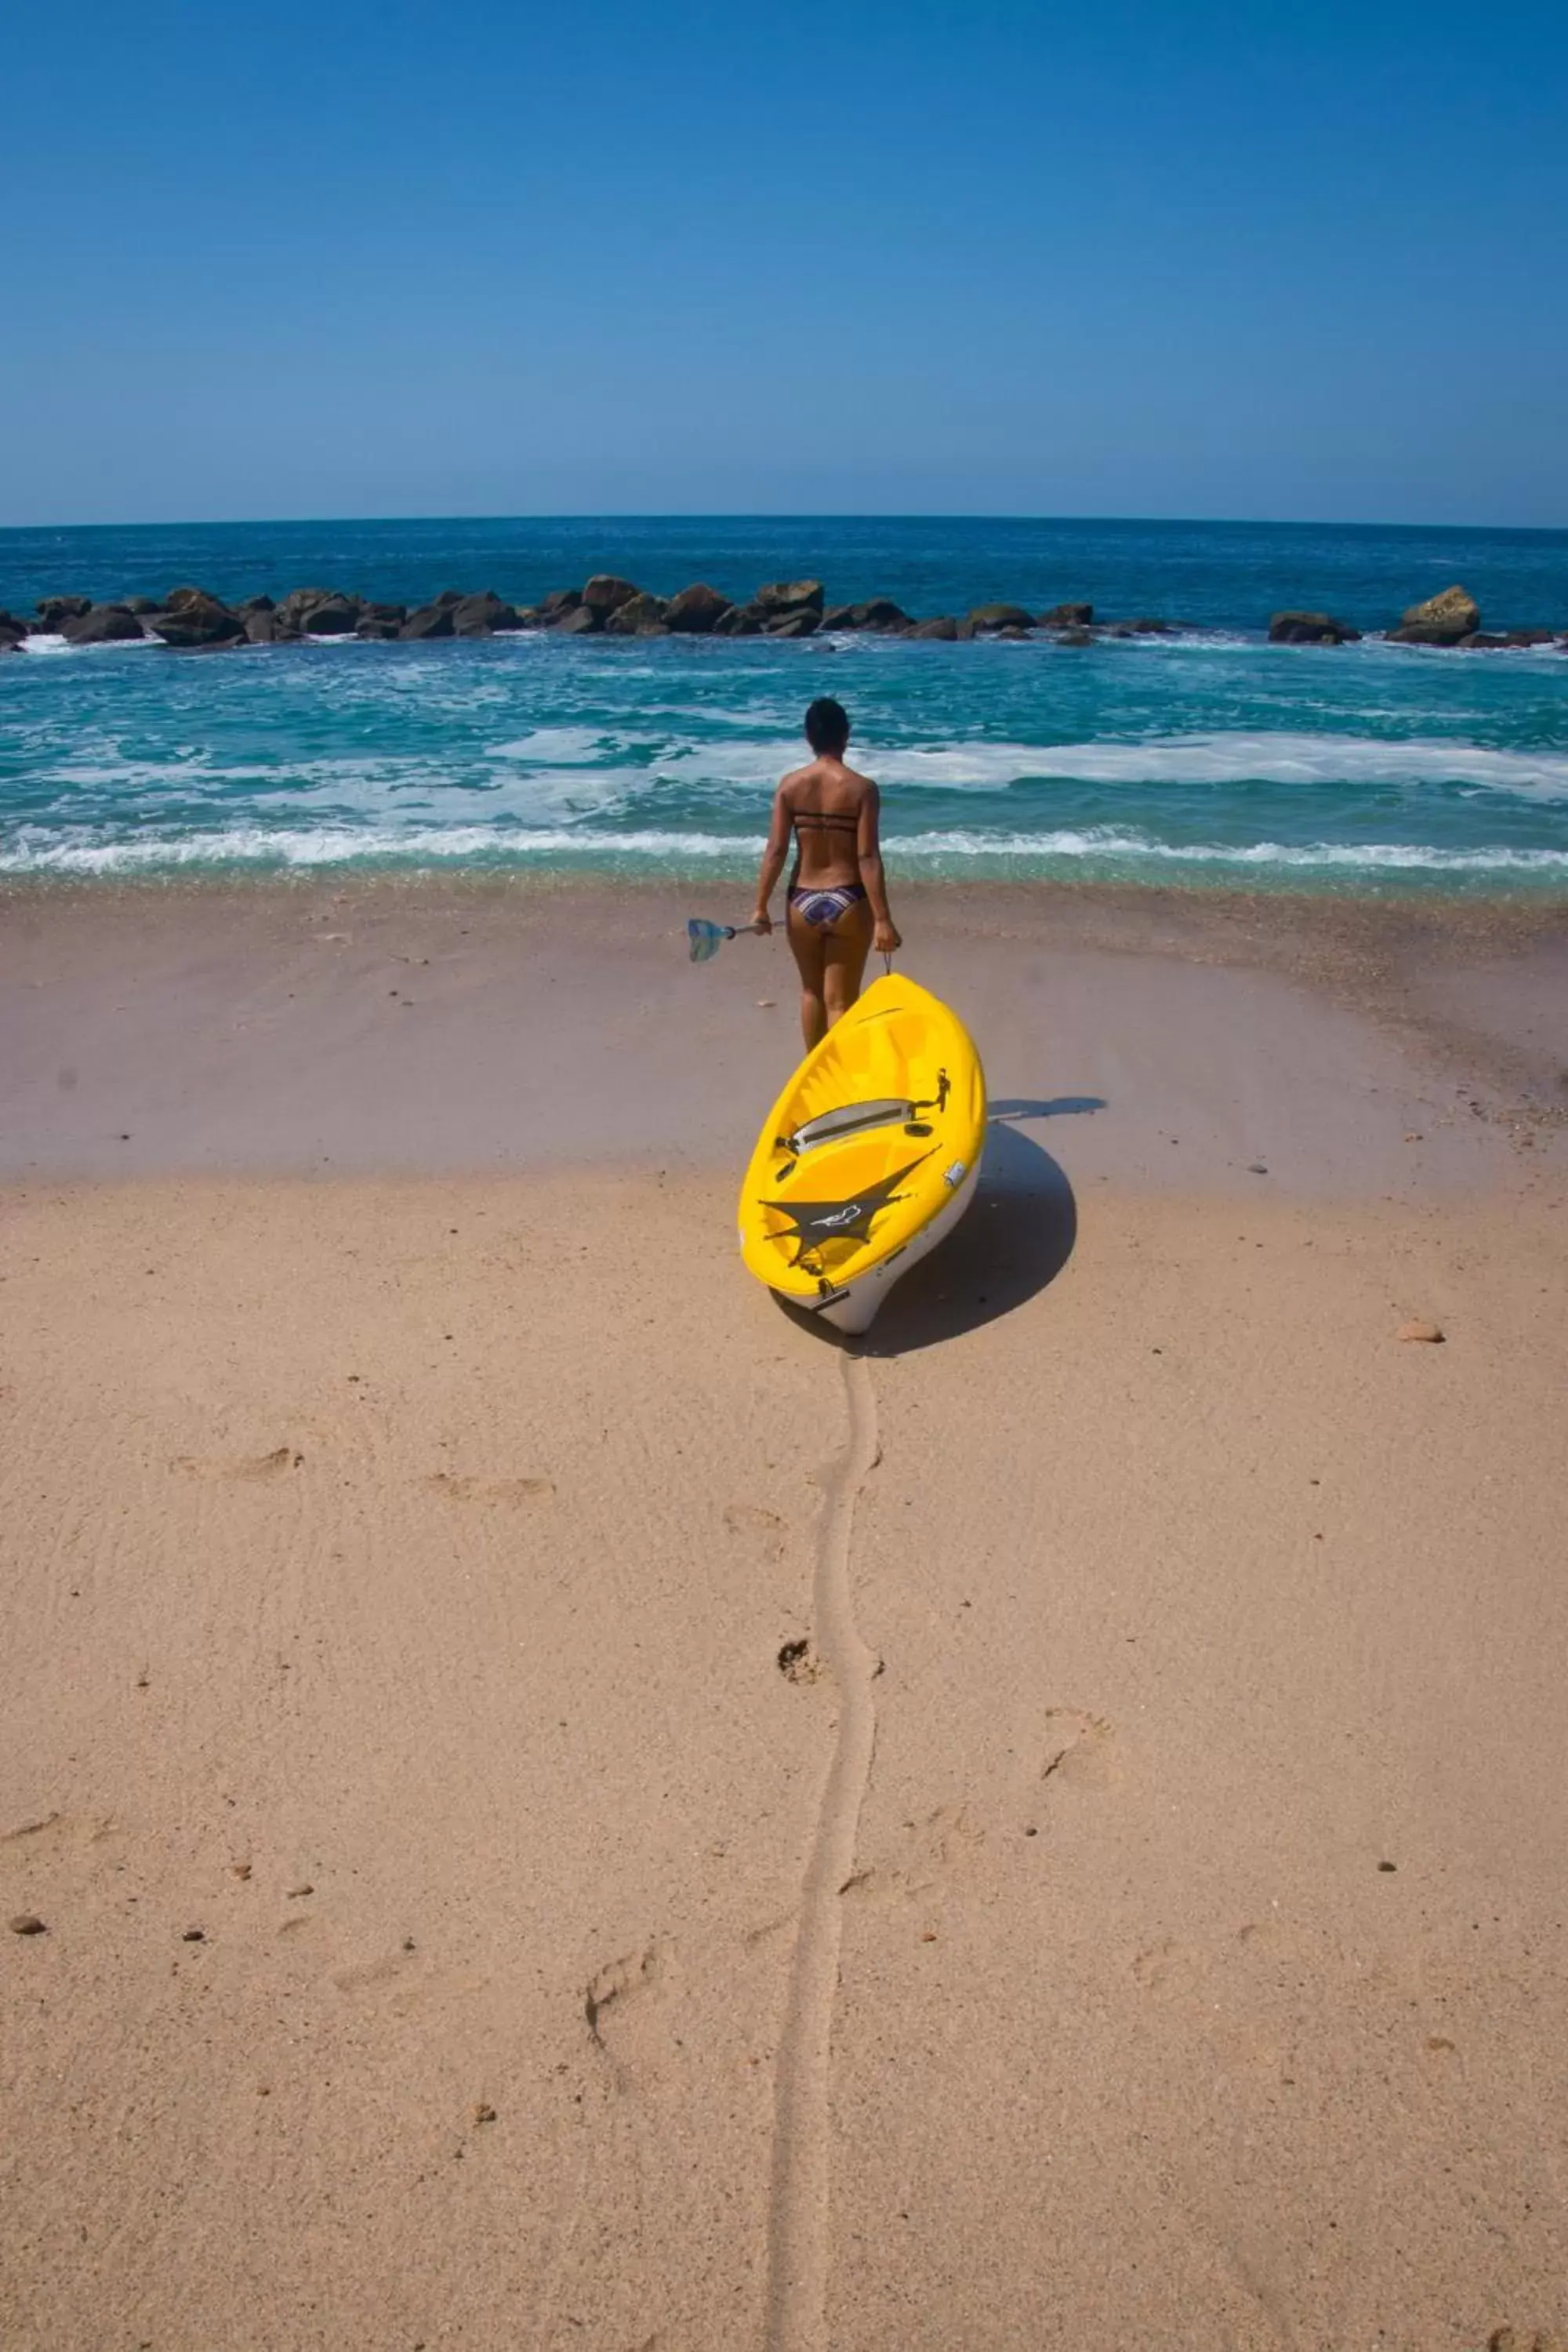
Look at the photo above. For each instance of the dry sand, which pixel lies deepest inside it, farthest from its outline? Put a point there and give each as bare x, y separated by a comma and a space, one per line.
458, 1931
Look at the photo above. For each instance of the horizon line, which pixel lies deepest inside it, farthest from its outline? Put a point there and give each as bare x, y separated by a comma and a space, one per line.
781, 515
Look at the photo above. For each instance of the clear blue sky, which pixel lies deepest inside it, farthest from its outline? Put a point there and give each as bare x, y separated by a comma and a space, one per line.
1137, 256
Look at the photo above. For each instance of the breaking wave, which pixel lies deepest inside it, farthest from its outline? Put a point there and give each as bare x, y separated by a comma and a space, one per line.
35, 851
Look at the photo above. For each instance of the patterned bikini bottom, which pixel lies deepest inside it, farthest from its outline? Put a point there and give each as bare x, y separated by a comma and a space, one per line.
820, 908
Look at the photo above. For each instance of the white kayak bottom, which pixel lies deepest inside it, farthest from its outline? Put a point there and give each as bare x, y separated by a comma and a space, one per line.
853, 1308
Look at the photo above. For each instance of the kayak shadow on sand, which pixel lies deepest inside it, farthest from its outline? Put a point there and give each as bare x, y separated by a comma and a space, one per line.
1015, 1239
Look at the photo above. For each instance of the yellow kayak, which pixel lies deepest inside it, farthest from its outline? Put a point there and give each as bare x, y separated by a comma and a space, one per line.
869, 1155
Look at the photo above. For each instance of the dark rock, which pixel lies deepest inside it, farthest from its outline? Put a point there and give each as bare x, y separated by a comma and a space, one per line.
1067, 617
1507, 640
965, 630
1455, 613
740, 621
26, 1922
338, 617
12, 629
429, 621
944, 625
55, 611
989, 617
300, 602
873, 613
606, 594
258, 605
450, 596
143, 603
268, 627
804, 622
640, 617
376, 630
480, 616
383, 612
1310, 629
582, 621
693, 612
1074, 637
105, 624
198, 619
559, 601
1015, 634
1145, 627
790, 596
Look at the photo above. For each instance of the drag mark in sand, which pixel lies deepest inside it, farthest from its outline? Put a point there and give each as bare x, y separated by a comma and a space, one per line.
798, 2212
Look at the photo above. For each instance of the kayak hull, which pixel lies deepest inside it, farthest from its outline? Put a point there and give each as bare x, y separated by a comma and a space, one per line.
853, 1308
870, 1157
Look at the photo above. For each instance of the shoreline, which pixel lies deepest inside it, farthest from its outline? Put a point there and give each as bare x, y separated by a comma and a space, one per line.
455, 1024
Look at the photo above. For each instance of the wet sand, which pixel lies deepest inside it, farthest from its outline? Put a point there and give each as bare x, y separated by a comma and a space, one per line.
1133, 1909
439, 1026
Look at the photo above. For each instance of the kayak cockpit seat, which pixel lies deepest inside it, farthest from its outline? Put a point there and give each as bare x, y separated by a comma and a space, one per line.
849, 1118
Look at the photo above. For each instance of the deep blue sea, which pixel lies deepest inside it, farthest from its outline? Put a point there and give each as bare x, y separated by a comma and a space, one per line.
1208, 759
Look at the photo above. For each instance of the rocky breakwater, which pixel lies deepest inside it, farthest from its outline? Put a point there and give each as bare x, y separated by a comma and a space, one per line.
194, 620
1453, 619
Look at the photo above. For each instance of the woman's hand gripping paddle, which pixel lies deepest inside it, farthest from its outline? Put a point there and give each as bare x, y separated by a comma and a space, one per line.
705, 939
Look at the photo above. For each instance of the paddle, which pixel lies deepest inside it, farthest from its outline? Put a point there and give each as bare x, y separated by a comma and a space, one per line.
705, 939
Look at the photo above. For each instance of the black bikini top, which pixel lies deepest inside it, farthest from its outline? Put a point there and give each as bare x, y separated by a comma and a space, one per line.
823, 821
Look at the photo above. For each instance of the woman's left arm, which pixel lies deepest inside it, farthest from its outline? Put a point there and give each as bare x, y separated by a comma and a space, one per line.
772, 865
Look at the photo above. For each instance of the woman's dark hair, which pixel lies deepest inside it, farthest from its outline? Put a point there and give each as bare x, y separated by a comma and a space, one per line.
827, 726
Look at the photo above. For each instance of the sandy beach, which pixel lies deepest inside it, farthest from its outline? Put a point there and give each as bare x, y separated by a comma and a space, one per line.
560, 1808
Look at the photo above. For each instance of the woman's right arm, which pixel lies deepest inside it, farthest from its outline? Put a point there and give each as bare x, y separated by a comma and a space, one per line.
774, 857
885, 939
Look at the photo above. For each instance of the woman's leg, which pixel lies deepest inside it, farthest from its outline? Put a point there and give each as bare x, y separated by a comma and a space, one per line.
807, 941
846, 947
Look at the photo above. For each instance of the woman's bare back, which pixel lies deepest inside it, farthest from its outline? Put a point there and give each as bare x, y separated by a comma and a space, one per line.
824, 801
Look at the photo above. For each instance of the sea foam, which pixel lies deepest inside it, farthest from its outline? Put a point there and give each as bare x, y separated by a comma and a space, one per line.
35, 852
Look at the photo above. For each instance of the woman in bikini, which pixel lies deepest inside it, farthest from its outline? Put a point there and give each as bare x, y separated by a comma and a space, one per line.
837, 895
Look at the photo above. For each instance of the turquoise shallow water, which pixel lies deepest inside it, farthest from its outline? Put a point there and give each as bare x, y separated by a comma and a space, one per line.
1210, 759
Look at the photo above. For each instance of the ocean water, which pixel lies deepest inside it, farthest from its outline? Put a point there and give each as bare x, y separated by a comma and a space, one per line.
1209, 759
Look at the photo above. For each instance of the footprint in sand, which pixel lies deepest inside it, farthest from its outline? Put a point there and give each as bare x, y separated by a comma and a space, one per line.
281, 1459
51, 1829
459, 1489
1077, 1749
798, 1661
622, 2003
932, 1852
1167, 1966
752, 1523
370, 1974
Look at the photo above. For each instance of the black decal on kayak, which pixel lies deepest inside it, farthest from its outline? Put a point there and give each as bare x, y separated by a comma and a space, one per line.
812, 1223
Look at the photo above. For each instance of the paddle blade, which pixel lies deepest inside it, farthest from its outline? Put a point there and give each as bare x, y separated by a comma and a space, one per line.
705, 939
